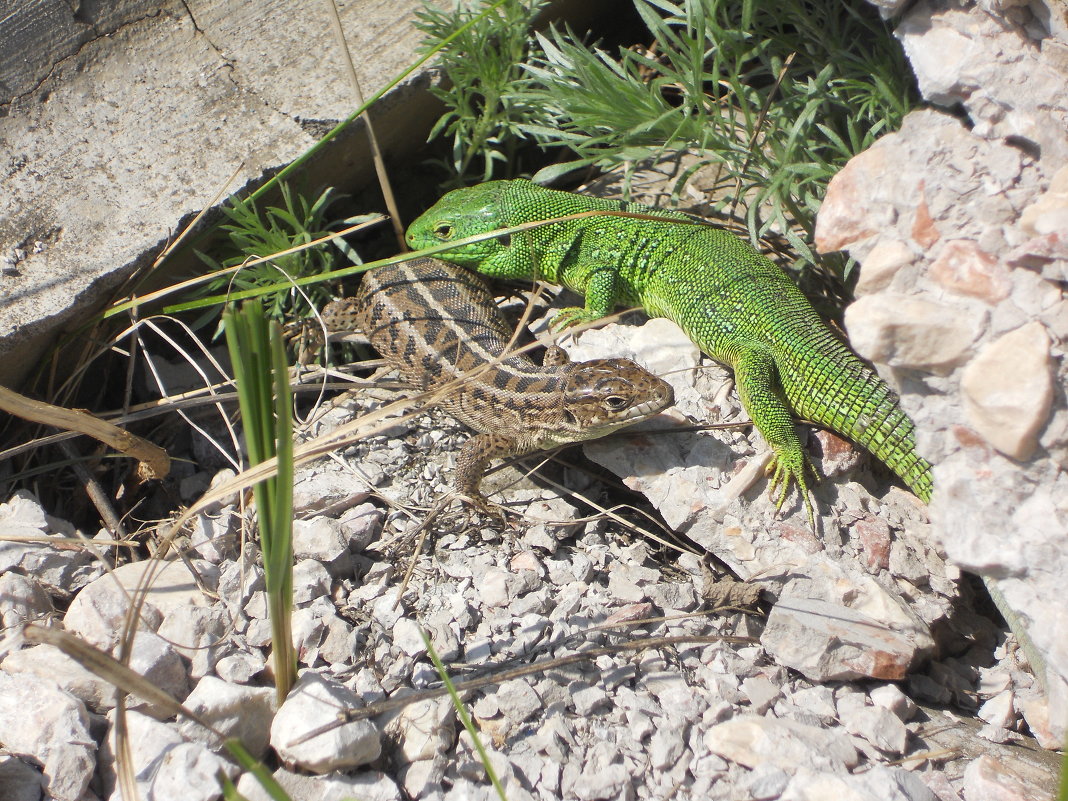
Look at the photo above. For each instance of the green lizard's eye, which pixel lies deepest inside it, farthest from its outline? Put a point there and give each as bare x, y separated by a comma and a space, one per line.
443, 230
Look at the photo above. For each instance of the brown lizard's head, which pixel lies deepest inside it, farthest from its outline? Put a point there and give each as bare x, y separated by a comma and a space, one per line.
603, 395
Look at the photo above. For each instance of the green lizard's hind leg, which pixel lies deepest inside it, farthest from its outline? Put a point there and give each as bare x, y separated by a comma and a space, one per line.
756, 376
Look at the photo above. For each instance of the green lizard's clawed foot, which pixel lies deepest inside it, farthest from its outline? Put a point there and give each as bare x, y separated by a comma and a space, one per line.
572, 316
785, 468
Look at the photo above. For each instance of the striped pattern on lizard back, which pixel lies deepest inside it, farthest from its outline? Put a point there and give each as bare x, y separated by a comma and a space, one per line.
438, 326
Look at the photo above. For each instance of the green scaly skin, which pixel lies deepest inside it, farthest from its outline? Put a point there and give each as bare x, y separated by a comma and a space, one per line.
735, 304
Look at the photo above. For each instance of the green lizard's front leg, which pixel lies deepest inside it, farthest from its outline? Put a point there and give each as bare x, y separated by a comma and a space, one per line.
602, 291
757, 379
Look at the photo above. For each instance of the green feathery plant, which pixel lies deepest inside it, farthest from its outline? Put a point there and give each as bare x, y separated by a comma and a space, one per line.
780, 95
253, 232
484, 66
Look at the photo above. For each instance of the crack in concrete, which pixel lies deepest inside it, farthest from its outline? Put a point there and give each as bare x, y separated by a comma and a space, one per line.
226, 61
57, 66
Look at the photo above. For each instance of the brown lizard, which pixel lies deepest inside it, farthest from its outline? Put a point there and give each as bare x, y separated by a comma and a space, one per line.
438, 326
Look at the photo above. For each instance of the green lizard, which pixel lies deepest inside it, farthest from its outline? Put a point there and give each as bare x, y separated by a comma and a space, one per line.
738, 306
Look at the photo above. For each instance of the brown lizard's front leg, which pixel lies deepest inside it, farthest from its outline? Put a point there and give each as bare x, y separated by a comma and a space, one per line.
471, 464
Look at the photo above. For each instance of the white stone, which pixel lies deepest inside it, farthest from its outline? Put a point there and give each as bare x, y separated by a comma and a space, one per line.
423, 779
517, 700
666, 746
1000, 711
890, 696
154, 659
214, 534
408, 636
905, 331
587, 698
239, 668
751, 740
339, 646
98, 613
882, 783
199, 633
22, 600
39, 720
879, 726
314, 703
386, 611
493, 588
324, 540
234, 710
1049, 213
361, 525
818, 701
1008, 389
308, 629
48, 663
187, 770
881, 264
761, 693
368, 786
423, 730
60, 569
311, 580
988, 778
146, 738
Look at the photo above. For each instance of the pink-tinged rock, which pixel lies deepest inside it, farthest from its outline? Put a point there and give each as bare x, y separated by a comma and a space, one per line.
879, 267
630, 613
527, 560
800, 535
873, 537
837, 455
989, 779
1035, 709
830, 642
890, 696
1039, 250
1049, 213
1008, 389
924, 231
846, 215
904, 331
965, 268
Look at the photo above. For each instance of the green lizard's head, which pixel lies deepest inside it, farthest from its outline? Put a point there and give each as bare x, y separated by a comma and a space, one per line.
468, 212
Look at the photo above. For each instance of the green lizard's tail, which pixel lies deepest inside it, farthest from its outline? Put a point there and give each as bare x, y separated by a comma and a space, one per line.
831, 386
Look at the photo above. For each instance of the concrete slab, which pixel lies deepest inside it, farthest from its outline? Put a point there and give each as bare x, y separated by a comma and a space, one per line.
119, 122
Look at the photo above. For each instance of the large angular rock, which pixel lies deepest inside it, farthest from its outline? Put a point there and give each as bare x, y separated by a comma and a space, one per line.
313, 704
970, 217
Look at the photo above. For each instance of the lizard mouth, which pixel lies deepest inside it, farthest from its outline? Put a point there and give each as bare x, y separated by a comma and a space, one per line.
650, 407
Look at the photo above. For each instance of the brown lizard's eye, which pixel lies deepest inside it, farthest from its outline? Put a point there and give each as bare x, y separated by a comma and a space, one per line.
615, 402
443, 230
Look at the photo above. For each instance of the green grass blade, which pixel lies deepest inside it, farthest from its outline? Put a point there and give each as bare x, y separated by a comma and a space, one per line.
461, 713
